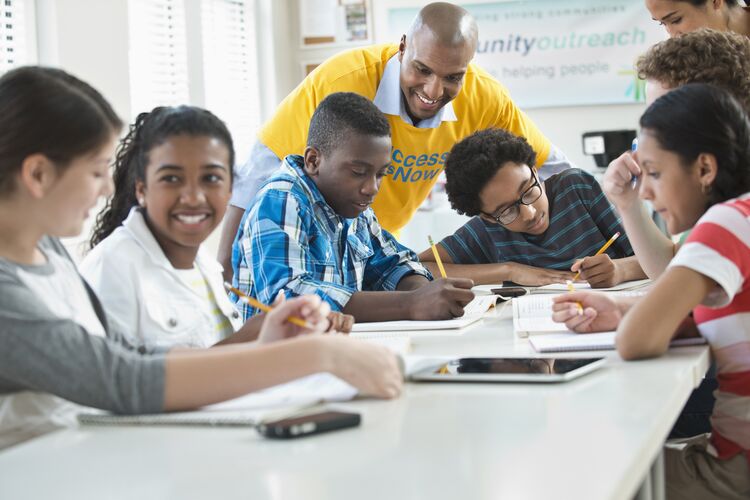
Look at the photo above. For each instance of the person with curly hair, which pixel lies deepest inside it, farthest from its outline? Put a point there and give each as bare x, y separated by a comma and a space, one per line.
683, 16
525, 230
721, 58
704, 56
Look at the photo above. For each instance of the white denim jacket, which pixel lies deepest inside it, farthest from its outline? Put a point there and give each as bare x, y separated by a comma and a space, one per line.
143, 294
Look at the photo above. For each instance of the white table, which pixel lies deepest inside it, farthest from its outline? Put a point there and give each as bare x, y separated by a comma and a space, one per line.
593, 438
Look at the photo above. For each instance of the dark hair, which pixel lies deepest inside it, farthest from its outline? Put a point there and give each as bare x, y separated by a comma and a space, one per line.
699, 118
340, 114
476, 159
48, 111
721, 58
150, 130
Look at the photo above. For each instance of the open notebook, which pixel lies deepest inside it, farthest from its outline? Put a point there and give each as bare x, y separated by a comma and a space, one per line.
533, 313
582, 285
275, 402
578, 285
571, 341
473, 312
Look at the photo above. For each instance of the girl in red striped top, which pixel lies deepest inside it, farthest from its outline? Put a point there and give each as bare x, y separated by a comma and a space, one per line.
694, 153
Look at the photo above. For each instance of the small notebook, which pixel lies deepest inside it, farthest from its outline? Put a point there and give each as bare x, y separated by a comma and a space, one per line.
409, 325
569, 341
584, 286
275, 402
559, 287
473, 312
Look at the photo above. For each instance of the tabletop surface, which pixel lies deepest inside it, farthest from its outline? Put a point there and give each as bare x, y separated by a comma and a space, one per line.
590, 438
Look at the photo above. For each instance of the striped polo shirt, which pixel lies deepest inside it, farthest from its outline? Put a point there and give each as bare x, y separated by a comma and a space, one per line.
719, 248
581, 220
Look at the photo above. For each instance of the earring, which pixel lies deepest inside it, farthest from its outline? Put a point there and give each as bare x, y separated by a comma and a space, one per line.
706, 189
141, 201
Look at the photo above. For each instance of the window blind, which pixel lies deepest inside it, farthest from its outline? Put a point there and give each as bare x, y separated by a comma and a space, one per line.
157, 54
231, 69
13, 48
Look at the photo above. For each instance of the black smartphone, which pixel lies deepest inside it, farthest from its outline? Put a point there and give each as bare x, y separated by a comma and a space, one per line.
306, 425
510, 291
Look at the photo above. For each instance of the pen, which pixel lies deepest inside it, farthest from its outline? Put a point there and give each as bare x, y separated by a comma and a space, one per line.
437, 257
601, 250
260, 305
570, 290
633, 149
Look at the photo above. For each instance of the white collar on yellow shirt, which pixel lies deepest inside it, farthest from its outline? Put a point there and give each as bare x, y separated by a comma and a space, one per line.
388, 98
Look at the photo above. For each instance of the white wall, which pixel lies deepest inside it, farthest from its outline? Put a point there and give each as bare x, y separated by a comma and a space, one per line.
90, 40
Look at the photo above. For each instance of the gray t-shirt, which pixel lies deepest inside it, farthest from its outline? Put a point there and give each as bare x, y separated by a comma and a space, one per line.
52, 349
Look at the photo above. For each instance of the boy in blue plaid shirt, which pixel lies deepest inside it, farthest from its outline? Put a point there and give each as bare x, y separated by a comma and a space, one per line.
311, 228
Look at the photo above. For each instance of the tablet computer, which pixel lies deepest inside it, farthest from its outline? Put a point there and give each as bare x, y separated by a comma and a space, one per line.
509, 369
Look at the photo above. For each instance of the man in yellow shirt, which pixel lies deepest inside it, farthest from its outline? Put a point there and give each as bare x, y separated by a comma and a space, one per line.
432, 95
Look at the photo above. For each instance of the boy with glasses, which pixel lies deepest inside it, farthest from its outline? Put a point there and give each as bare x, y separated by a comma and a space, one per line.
527, 231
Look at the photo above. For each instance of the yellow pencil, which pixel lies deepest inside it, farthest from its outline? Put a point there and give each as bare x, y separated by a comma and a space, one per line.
572, 289
437, 257
263, 307
601, 250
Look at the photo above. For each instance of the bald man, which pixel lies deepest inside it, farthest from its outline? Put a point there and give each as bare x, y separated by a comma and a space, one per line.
432, 95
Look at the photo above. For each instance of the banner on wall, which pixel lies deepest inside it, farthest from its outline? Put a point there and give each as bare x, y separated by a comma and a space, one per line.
559, 52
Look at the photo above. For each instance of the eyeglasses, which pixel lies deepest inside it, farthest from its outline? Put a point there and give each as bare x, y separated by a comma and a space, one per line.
509, 214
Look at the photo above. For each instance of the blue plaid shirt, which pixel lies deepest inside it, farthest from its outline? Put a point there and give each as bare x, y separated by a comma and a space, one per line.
290, 239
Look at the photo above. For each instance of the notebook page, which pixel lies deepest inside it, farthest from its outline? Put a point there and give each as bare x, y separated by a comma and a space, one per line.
480, 304
410, 325
533, 314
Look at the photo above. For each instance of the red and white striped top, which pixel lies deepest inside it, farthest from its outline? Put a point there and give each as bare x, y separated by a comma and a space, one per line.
719, 247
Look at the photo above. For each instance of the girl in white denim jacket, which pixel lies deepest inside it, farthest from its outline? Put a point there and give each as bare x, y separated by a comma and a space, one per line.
173, 180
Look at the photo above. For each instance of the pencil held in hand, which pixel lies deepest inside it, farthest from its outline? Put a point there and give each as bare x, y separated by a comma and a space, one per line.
570, 290
437, 257
601, 250
263, 307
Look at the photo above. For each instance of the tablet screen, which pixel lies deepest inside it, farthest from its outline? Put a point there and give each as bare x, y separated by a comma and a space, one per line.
546, 366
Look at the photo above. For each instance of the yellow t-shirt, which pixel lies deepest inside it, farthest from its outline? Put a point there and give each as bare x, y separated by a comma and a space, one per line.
418, 153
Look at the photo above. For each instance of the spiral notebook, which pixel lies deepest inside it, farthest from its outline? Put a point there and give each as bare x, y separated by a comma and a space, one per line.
276, 402
604, 341
473, 312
